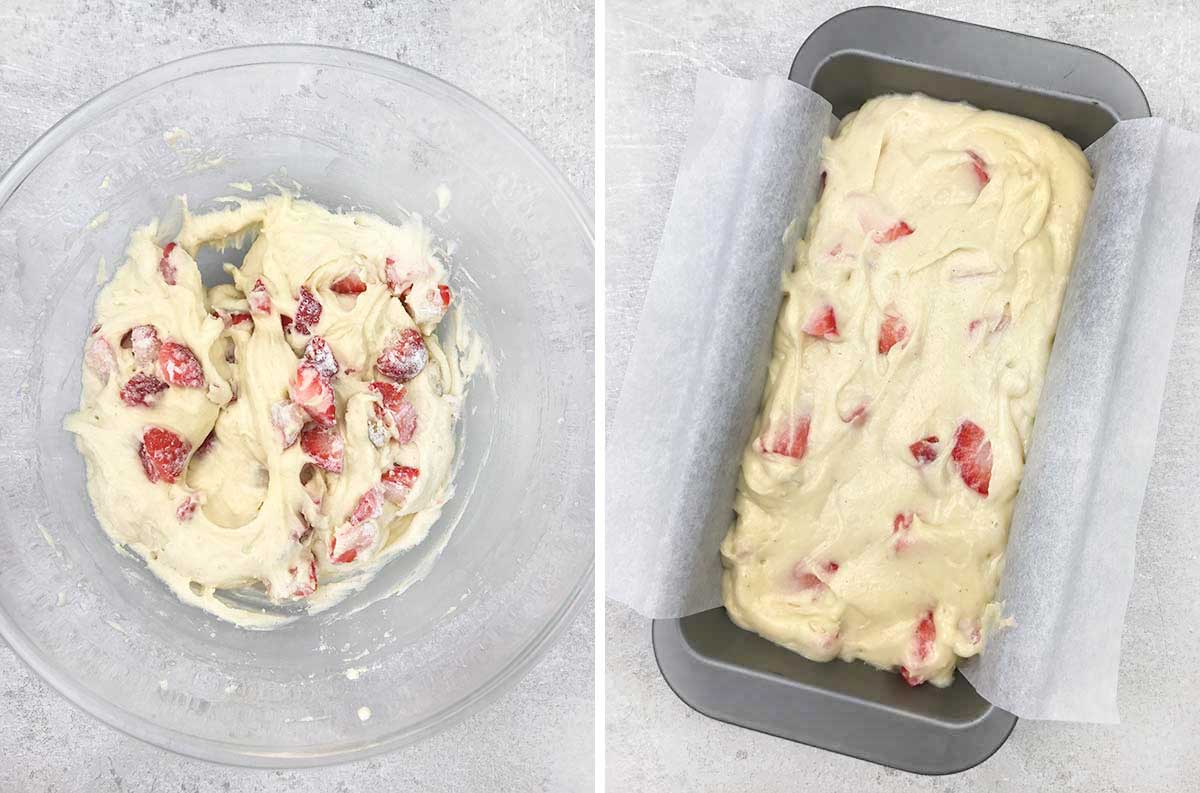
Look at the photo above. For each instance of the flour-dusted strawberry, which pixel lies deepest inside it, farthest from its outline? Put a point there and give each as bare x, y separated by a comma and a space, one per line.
315, 394
788, 438
972, 456
302, 580
142, 390
259, 298
351, 539
427, 306
163, 453
187, 508
369, 507
100, 358
892, 331
324, 447
399, 413
308, 312
399, 279
980, 168
143, 339
165, 266
892, 233
289, 418
925, 450
179, 366
405, 356
822, 323
319, 355
349, 284
397, 482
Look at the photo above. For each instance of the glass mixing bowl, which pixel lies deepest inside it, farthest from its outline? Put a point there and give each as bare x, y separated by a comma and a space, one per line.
354, 130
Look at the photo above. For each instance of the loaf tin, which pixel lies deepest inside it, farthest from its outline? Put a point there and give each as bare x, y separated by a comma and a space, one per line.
851, 708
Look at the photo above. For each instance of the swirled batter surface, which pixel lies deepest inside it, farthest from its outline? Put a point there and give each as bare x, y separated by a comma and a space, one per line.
875, 499
289, 430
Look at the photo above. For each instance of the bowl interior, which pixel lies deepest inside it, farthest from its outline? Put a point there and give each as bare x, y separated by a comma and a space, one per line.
499, 571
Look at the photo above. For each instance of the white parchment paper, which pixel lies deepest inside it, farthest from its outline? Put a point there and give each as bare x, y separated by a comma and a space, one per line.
695, 379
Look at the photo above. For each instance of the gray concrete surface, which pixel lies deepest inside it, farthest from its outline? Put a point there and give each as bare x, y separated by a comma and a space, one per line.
530, 59
654, 741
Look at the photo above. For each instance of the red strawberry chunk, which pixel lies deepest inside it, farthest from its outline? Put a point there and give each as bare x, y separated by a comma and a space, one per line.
350, 539
238, 317
285, 322
400, 414
405, 358
822, 323
187, 509
349, 284
315, 394
925, 450
324, 447
444, 294
399, 279
790, 439
980, 168
893, 233
892, 331
142, 389
259, 298
303, 584
831, 567
392, 396
926, 634
319, 355
163, 454
972, 455
179, 366
369, 507
397, 482
308, 312
165, 267
902, 522
145, 344
100, 357
913, 680
289, 419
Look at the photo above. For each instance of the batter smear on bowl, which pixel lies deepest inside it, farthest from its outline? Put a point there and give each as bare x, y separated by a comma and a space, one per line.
289, 429
875, 498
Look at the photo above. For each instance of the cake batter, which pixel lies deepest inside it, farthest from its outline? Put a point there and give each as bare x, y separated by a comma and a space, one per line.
291, 429
875, 499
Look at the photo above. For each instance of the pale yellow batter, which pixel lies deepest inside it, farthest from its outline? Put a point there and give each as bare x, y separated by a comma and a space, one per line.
293, 429
875, 500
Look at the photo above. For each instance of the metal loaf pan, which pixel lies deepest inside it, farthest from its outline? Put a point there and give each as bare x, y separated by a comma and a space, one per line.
738, 677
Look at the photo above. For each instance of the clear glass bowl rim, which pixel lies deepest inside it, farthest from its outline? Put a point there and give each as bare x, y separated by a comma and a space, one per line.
309, 54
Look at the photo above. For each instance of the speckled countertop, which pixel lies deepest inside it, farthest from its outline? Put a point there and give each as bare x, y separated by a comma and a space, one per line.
529, 59
654, 741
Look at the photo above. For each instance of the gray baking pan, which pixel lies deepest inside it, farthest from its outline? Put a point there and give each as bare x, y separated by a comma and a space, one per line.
738, 677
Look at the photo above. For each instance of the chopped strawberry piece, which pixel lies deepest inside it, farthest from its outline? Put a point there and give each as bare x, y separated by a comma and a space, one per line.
390, 395
179, 366
165, 267
350, 539
259, 298
925, 450
980, 168
369, 507
399, 280
206, 445
831, 567
288, 418
790, 439
238, 317
405, 358
187, 509
893, 233
396, 410
100, 357
306, 585
308, 312
349, 284
319, 355
444, 294
910, 678
163, 454
892, 331
972, 455
397, 482
902, 522
324, 447
315, 394
822, 323
925, 636
858, 415
285, 322
142, 389
144, 341
377, 429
